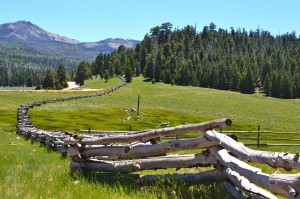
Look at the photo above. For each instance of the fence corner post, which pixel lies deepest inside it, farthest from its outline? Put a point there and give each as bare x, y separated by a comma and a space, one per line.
258, 135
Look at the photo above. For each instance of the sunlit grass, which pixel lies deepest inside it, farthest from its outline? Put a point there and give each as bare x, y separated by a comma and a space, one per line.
98, 83
162, 103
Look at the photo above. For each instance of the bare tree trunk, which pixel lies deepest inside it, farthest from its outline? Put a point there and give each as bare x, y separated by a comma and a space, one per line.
145, 136
287, 185
232, 190
176, 161
249, 188
142, 150
253, 174
274, 159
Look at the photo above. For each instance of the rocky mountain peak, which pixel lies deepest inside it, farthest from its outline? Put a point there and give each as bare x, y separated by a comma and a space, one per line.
26, 31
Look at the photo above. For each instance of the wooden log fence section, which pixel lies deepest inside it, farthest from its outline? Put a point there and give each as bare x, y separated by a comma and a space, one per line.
109, 153
151, 134
163, 162
52, 139
138, 150
262, 137
229, 157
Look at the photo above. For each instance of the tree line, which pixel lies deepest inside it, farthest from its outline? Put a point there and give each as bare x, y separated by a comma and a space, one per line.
29, 77
20, 76
56, 80
223, 59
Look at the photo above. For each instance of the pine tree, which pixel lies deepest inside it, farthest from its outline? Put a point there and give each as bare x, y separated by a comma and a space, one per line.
275, 85
128, 73
106, 75
149, 71
268, 85
246, 83
49, 80
83, 72
61, 77
285, 87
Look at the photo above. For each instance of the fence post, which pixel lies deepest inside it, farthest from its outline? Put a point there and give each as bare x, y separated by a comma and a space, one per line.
258, 135
138, 106
89, 130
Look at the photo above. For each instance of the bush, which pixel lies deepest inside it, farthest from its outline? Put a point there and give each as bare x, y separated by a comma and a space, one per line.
39, 87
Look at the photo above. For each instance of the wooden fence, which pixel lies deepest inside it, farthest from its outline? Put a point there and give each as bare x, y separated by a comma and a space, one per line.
109, 153
138, 151
52, 139
266, 138
250, 138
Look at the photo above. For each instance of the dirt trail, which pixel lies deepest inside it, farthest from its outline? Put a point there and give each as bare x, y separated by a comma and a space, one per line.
72, 87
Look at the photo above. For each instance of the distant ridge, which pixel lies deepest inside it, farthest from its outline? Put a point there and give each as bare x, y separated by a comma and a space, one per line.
108, 45
32, 41
26, 31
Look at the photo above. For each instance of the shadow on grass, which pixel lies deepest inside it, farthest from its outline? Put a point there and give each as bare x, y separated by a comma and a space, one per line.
162, 188
147, 80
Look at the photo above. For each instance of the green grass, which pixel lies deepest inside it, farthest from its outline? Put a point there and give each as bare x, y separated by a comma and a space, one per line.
30, 171
174, 104
100, 83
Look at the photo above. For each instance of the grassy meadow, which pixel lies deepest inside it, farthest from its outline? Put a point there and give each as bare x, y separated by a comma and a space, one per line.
163, 103
30, 171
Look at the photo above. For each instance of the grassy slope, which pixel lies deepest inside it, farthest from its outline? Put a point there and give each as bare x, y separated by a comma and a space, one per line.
29, 171
174, 104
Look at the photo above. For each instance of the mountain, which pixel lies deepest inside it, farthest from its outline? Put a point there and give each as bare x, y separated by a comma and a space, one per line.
26, 31
25, 44
108, 45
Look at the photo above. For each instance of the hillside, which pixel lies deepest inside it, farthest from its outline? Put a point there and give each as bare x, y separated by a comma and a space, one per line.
237, 60
108, 45
162, 103
25, 44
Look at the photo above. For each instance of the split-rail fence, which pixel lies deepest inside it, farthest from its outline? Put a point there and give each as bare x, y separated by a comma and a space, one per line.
137, 151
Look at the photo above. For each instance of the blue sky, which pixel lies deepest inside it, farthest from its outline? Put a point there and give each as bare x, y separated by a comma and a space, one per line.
94, 20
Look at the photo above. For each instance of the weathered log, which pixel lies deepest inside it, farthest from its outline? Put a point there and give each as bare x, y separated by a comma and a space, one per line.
200, 127
253, 174
103, 132
232, 190
188, 178
143, 150
275, 159
248, 187
173, 161
287, 185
